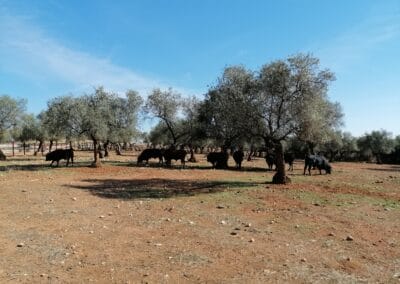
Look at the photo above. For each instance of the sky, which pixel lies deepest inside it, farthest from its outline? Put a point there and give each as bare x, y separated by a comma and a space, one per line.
50, 48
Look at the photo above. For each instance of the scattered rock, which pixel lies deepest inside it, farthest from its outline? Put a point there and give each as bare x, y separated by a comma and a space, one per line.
316, 204
74, 198
223, 222
237, 229
220, 207
396, 275
331, 234
303, 260
349, 238
297, 226
252, 240
20, 245
234, 233
248, 225
102, 216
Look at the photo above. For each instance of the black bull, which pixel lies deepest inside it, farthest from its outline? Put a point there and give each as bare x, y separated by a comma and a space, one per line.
238, 157
60, 154
150, 154
173, 154
287, 157
316, 161
219, 160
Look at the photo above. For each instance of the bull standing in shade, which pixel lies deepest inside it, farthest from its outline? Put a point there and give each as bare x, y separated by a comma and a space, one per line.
219, 160
317, 161
238, 157
150, 154
61, 154
174, 154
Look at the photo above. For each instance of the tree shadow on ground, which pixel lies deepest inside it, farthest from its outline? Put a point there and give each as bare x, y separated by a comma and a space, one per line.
390, 169
189, 166
41, 167
155, 188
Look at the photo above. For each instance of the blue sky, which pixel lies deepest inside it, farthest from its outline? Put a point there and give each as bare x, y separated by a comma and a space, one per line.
50, 48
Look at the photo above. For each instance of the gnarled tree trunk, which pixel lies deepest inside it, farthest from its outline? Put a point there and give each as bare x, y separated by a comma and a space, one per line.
280, 175
96, 163
2, 156
40, 148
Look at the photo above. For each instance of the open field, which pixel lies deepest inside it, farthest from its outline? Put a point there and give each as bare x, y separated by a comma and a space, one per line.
127, 224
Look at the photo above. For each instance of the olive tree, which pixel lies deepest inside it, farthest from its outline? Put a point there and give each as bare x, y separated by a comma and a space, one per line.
376, 143
105, 116
286, 90
11, 110
27, 129
123, 121
225, 111
100, 116
166, 106
60, 119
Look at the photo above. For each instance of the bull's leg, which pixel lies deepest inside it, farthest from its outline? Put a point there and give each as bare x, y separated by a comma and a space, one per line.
67, 162
58, 161
51, 164
309, 169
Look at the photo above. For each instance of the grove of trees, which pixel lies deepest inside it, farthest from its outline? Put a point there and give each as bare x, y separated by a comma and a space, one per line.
283, 106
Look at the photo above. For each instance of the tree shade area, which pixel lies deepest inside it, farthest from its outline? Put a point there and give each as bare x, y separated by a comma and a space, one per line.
283, 107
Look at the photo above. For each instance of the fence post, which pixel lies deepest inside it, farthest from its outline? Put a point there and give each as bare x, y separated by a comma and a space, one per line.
13, 148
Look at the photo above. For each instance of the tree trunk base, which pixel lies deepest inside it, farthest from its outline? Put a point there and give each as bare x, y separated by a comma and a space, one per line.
192, 160
278, 179
2, 156
97, 164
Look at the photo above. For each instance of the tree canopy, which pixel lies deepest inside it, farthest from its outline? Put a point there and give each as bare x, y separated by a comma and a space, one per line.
11, 111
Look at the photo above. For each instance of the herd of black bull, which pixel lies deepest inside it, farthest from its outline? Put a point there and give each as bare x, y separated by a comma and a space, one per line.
219, 160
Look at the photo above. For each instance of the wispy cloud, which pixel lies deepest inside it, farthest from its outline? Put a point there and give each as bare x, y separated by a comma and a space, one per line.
359, 41
26, 49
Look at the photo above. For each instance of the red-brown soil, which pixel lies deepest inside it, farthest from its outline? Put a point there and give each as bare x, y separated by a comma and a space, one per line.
127, 224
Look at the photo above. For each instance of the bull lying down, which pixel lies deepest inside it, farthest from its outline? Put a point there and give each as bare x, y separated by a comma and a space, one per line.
61, 154
316, 161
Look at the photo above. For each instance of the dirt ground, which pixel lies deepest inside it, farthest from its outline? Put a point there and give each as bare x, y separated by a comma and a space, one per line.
127, 224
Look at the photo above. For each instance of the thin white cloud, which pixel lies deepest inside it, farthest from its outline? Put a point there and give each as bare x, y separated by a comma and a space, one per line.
25, 49
358, 42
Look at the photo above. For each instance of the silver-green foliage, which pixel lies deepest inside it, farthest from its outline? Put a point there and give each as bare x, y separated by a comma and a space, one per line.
11, 110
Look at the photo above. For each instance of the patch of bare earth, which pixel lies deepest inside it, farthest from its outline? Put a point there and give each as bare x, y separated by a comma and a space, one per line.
127, 224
